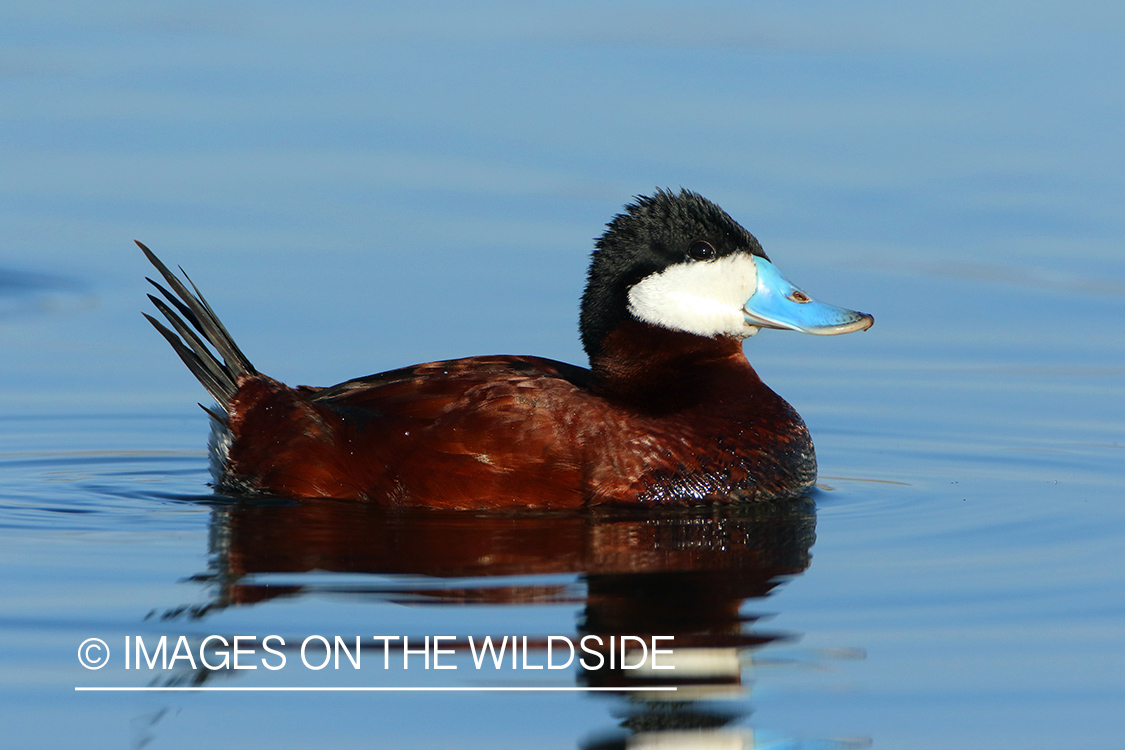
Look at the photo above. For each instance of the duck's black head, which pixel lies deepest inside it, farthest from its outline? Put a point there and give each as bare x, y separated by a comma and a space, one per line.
678, 261
652, 234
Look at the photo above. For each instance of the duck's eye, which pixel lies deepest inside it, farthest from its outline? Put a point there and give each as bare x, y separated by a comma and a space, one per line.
701, 250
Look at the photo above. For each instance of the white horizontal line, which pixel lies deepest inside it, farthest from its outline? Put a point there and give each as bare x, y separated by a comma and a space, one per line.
201, 689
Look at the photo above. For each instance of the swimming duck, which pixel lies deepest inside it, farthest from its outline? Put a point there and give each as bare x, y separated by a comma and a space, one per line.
669, 411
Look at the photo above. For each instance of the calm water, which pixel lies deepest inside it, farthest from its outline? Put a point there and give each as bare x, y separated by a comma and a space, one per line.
357, 188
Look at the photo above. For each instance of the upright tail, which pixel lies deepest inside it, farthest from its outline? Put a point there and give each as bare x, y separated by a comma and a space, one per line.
219, 367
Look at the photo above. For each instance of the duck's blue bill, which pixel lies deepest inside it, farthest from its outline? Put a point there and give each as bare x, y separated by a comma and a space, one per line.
778, 304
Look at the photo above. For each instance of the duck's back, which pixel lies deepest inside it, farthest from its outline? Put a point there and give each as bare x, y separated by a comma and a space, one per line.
483, 432
502, 432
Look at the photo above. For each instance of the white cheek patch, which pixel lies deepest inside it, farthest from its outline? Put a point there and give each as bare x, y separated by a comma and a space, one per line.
705, 298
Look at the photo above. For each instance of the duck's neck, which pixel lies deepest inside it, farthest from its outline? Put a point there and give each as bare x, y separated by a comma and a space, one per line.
660, 370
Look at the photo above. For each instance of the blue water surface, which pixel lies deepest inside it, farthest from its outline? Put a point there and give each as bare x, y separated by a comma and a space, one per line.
357, 187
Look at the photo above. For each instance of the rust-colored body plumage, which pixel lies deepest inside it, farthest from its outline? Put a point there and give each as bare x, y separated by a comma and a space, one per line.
502, 432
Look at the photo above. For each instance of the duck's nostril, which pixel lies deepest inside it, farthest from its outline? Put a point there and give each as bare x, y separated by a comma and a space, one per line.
799, 296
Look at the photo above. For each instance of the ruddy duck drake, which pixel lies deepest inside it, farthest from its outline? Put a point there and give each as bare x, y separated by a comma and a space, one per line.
670, 411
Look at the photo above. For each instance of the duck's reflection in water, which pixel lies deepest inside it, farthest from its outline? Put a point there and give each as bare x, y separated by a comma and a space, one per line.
686, 574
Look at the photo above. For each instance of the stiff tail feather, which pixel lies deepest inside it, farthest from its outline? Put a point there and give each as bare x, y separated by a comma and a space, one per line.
209, 350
